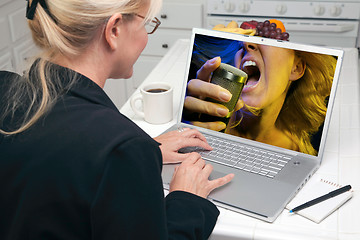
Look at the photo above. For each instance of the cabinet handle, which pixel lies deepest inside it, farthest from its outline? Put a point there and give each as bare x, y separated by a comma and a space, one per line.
163, 16
165, 45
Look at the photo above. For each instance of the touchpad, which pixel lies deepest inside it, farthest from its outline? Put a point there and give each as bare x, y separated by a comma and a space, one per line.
216, 174
168, 170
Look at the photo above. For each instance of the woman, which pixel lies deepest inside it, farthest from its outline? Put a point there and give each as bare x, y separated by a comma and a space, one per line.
72, 166
284, 86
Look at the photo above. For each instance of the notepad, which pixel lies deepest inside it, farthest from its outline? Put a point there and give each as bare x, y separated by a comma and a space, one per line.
314, 189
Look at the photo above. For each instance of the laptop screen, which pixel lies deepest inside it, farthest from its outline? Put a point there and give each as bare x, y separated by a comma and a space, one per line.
286, 89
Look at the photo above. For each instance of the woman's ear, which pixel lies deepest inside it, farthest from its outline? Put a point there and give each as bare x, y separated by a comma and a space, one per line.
112, 30
298, 69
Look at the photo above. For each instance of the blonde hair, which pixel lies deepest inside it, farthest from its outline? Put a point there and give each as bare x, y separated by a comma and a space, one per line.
305, 105
71, 27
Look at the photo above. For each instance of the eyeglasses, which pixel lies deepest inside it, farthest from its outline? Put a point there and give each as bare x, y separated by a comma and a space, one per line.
150, 25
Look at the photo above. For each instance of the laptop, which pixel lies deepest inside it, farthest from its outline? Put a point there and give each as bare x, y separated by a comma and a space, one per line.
269, 168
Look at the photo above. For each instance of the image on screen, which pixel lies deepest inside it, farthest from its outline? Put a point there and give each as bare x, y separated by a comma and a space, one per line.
283, 101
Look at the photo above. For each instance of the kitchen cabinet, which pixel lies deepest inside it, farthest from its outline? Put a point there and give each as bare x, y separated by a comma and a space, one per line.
16, 45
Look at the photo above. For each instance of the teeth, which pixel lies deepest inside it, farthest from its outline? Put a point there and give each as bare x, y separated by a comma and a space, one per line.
249, 63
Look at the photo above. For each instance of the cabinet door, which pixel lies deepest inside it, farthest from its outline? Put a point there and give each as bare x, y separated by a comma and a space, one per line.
25, 54
6, 62
181, 15
2, 2
163, 39
116, 90
5, 39
18, 25
142, 68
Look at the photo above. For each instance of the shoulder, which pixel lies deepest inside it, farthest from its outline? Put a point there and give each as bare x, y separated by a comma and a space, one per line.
96, 117
7, 80
6, 74
7, 77
91, 124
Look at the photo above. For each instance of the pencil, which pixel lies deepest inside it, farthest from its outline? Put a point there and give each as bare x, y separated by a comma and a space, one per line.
322, 198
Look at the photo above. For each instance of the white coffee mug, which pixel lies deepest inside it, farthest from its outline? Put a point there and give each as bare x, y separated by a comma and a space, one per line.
157, 102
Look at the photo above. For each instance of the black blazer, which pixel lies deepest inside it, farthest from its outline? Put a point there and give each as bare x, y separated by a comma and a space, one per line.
85, 171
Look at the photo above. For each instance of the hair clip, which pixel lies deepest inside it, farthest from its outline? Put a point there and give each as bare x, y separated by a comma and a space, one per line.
31, 9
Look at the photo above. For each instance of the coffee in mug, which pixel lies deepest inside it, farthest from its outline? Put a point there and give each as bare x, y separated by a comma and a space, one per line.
157, 102
156, 90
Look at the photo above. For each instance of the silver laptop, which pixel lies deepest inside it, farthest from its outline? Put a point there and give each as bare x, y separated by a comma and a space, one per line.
275, 143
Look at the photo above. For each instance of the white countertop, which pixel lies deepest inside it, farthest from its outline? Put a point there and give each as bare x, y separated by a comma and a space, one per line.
341, 162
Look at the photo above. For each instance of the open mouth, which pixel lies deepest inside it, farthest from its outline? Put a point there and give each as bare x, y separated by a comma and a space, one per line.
252, 71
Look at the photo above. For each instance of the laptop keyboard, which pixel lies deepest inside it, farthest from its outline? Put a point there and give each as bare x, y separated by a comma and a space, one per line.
240, 156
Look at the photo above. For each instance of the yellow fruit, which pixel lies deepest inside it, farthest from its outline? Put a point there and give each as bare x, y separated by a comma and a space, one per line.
250, 32
232, 24
219, 26
233, 27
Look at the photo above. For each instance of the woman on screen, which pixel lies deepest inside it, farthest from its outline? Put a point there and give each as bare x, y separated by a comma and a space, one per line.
283, 102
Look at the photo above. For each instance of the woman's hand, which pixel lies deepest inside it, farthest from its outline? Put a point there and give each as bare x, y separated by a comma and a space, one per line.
172, 141
199, 89
193, 176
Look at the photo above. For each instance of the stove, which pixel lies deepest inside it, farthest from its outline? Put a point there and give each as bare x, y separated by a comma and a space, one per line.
330, 22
